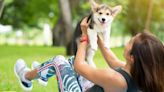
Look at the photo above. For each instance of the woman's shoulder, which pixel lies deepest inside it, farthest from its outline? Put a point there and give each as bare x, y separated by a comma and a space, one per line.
116, 81
131, 86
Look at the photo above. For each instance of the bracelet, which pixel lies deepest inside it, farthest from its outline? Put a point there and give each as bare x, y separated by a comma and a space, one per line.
84, 39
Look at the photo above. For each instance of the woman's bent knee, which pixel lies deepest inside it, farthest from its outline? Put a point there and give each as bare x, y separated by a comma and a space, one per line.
59, 59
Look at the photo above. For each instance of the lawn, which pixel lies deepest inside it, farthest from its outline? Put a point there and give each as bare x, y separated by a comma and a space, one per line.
9, 55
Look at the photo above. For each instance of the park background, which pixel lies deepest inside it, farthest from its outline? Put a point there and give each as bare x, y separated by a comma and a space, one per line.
40, 29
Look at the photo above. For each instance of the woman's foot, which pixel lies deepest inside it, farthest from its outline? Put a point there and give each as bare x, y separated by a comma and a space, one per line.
20, 69
43, 82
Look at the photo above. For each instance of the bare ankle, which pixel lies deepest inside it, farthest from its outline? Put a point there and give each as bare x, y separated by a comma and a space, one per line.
31, 75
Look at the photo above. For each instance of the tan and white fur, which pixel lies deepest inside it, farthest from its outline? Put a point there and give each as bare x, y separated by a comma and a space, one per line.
101, 21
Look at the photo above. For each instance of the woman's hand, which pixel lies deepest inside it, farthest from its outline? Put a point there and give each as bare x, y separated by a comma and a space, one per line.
84, 26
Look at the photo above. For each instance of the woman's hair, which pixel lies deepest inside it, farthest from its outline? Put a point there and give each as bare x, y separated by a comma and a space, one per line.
148, 68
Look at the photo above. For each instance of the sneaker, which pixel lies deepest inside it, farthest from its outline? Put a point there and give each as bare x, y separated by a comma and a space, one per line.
20, 69
41, 81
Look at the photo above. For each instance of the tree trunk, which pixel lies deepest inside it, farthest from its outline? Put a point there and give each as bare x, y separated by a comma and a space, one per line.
62, 32
149, 16
67, 20
75, 5
58, 33
138, 16
1, 7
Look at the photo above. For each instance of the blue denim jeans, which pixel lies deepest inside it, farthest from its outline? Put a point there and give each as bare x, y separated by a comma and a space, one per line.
66, 76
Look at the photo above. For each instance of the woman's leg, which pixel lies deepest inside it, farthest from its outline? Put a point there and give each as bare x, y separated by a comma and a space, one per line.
66, 75
44, 71
25, 75
64, 71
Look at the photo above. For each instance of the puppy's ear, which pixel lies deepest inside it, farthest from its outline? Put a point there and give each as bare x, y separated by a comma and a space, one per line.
94, 5
116, 10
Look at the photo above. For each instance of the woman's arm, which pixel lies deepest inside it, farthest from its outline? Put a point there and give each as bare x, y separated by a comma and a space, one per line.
81, 67
109, 56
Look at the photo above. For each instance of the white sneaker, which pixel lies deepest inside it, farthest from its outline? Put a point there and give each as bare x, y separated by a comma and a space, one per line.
20, 69
43, 82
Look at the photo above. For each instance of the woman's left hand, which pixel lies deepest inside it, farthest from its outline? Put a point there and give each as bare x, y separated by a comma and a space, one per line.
84, 26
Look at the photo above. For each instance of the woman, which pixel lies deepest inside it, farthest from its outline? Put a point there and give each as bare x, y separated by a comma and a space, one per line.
143, 70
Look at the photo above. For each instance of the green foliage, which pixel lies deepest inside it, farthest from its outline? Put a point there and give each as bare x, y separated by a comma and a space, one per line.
8, 1
138, 12
32, 13
157, 25
29, 12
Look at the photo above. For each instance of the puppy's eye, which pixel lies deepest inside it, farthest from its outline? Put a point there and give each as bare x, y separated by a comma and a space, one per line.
100, 13
107, 13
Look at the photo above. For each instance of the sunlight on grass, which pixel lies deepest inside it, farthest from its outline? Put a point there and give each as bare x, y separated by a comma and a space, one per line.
9, 55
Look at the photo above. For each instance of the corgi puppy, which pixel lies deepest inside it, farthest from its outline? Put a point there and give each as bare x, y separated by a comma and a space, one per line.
100, 25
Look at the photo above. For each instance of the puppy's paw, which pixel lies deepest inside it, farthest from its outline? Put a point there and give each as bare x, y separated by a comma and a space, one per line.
94, 47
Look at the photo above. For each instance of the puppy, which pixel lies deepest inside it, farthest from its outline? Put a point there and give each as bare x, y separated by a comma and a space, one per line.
101, 20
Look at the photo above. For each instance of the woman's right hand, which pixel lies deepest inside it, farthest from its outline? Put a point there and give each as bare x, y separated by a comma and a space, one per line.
84, 26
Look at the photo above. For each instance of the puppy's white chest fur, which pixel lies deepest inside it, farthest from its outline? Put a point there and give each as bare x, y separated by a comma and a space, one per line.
101, 28
103, 32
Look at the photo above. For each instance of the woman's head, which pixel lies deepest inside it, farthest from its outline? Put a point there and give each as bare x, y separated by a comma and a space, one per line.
146, 53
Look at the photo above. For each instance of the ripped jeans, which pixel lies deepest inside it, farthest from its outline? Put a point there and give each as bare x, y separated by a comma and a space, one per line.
68, 79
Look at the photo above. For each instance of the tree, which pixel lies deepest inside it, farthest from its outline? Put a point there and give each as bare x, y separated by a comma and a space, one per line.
62, 32
144, 15
1, 7
136, 15
149, 16
28, 12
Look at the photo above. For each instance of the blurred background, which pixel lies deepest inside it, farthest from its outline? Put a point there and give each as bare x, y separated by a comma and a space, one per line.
40, 29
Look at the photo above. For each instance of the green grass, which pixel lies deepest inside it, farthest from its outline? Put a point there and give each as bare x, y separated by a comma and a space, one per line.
9, 55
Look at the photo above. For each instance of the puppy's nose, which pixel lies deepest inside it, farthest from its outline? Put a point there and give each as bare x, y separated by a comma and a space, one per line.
103, 19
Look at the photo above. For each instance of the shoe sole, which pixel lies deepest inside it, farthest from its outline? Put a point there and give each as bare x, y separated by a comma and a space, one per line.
24, 88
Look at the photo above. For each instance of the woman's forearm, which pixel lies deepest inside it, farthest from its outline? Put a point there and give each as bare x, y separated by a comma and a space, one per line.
80, 63
80, 57
109, 56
